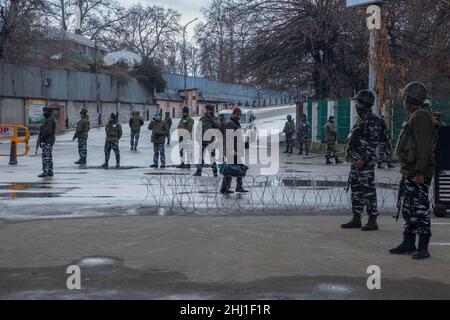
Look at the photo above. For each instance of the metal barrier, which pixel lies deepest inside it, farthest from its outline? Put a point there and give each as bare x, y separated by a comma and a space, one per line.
282, 193
11, 132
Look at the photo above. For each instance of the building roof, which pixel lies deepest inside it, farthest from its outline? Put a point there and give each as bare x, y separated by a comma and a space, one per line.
168, 97
56, 34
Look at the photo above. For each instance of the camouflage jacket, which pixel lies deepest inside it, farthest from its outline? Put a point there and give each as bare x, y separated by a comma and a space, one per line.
159, 131
113, 132
168, 121
416, 144
207, 122
363, 140
47, 131
83, 127
304, 130
186, 123
136, 123
330, 132
289, 128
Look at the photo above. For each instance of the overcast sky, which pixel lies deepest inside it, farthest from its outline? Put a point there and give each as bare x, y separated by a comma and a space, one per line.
189, 9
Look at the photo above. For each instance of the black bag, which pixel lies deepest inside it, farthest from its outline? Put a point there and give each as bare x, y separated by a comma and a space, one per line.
233, 170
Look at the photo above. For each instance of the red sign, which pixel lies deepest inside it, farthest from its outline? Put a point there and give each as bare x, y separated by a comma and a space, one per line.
6, 132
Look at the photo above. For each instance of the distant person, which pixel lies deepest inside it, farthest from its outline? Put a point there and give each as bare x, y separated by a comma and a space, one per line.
385, 146
303, 134
361, 152
159, 134
331, 139
437, 116
289, 131
113, 134
234, 153
168, 121
46, 139
186, 123
136, 122
82, 133
207, 121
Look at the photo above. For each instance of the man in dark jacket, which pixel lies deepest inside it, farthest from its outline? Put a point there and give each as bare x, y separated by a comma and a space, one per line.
186, 123
82, 133
234, 151
113, 134
159, 133
136, 122
168, 121
47, 140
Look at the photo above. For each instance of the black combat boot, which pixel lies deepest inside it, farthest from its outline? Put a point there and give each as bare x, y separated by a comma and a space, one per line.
355, 223
328, 161
155, 165
337, 160
44, 174
307, 152
300, 153
287, 149
79, 162
371, 225
291, 150
390, 165
422, 252
118, 164
408, 246
380, 166
105, 165
181, 166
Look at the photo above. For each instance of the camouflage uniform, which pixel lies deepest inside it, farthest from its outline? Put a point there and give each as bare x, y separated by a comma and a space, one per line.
82, 133
289, 131
384, 147
113, 135
47, 140
136, 122
207, 122
330, 138
304, 132
186, 123
159, 133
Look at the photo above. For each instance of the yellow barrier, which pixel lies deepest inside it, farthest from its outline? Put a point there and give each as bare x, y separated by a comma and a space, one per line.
11, 132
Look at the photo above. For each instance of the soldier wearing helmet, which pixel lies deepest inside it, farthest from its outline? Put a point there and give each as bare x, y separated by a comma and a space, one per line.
415, 151
289, 131
47, 140
361, 152
331, 138
81, 133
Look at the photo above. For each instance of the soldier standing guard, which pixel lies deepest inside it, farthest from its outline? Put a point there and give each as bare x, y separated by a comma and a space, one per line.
168, 121
82, 133
289, 131
362, 154
159, 133
186, 123
385, 147
303, 134
47, 140
113, 134
207, 121
136, 122
331, 137
415, 150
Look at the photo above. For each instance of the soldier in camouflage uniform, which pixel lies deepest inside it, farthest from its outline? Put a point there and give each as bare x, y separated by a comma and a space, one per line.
384, 147
289, 131
47, 140
81, 133
186, 123
331, 138
159, 134
168, 121
303, 134
415, 150
113, 134
136, 122
207, 121
362, 154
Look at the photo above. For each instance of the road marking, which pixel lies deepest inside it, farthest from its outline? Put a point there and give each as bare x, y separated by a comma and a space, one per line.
440, 223
441, 244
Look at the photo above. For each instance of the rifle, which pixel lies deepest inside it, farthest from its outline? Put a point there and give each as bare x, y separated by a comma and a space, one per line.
401, 195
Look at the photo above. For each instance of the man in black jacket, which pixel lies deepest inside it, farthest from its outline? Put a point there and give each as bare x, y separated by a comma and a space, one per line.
47, 140
234, 152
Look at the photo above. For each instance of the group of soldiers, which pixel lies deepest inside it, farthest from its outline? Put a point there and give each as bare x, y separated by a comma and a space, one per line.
303, 135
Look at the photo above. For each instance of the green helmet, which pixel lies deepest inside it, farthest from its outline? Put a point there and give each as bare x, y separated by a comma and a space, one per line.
289, 117
83, 111
366, 97
416, 91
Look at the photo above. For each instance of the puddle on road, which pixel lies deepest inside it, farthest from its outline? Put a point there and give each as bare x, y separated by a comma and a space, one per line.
27, 195
97, 262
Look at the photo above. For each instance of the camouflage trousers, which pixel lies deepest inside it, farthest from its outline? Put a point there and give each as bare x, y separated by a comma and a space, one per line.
159, 153
115, 148
384, 152
416, 206
135, 134
364, 192
303, 143
185, 149
331, 149
47, 157
289, 141
82, 148
213, 159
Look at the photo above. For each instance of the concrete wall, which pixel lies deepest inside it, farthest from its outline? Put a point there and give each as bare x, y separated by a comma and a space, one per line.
12, 111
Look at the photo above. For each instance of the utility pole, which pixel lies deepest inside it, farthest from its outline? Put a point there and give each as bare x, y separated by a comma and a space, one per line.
184, 60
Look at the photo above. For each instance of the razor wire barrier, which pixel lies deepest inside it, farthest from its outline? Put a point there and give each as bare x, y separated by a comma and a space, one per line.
283, 193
